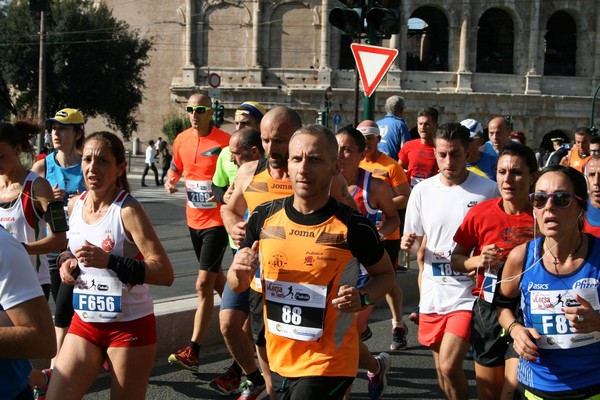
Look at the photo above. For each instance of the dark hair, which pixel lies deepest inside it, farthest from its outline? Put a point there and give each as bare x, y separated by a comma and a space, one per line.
520, 136
19, 133
429, 112
575, 177
79, 141
117, 149
249, 138
582, 131
355, 134
519, 150
453, 131
595, 140
319, 130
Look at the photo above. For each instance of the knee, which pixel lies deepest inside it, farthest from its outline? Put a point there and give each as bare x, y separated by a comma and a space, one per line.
205, 287
449, 370
231, 326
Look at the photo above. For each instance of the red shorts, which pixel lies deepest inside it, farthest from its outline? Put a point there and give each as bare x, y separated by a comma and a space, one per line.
136, 333
432, 327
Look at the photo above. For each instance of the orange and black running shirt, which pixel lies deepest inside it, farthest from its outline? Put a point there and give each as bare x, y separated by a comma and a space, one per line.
196, 157
305, 259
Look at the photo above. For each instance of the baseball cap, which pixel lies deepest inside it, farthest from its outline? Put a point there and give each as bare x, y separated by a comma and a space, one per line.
473, 126
557, 139
67, 116
252, 108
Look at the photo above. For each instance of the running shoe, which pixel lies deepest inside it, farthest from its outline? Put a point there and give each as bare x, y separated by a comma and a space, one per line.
399, 334
39, 392
228, 383
378, 382
252, 392
186, 359
366, 334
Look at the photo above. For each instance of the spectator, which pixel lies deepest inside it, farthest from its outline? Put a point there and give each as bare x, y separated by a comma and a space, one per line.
394, 131
150, 164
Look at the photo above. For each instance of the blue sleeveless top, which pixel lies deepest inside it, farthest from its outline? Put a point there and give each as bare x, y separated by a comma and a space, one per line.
567, 360
69, 178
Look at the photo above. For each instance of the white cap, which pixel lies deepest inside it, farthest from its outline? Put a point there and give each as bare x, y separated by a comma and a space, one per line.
473, 126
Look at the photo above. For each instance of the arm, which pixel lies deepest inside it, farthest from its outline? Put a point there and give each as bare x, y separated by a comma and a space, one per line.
382, 197
32, 335
233, 212
219, 192
39, 167
463, 262
42, 193
339, 191
507, 298
402, 193
242, 269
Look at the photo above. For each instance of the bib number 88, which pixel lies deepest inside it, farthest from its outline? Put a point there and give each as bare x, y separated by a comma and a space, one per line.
291, 315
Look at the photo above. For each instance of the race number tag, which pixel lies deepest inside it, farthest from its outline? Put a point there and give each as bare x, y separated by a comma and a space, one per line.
294, 310
98, 298
198, 193
442, 268
490, 278
550, 321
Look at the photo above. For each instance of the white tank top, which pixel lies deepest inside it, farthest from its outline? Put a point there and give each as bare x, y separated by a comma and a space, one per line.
22, 220
99, 296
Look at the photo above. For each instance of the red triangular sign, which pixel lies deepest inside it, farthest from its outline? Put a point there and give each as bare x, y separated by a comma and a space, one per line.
372, 63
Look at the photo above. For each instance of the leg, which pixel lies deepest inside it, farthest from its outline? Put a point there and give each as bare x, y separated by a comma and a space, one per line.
153, 168
232, 320
146, 167
263, 361
75, 370
489, 381
130, 371
205, 285
510, 378
451, 375
62, 316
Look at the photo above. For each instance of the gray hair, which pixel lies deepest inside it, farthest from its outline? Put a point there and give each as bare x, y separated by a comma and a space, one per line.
394, 104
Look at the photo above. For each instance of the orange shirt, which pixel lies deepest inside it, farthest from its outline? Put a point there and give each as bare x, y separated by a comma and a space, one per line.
576, 161
196, 157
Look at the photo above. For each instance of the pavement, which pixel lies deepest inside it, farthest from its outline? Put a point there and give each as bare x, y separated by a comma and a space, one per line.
413, 373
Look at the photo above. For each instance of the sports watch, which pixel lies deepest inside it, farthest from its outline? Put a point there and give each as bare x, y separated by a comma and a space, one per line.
365, 300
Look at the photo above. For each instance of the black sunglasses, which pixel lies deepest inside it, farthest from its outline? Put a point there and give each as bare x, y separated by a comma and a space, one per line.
198, 109
559, 199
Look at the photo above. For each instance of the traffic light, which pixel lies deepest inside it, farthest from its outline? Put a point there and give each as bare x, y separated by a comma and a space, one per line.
384, 18
218, 114
349, 19
38, 5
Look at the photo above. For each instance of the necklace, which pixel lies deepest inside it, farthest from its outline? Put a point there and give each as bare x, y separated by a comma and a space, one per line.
556, 262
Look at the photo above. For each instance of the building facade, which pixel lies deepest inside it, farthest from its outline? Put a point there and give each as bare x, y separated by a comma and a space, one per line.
537, 61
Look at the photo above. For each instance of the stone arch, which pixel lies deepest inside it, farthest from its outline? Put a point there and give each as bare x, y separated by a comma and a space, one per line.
560, 49
427, 47
496, 42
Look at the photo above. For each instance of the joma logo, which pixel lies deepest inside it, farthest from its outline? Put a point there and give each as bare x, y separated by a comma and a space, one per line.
296, 232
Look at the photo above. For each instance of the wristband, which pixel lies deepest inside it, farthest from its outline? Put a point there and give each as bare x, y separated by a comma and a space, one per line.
511, 326
128, 270
64, 256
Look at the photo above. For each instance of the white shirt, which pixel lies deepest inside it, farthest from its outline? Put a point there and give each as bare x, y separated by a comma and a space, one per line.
150, 157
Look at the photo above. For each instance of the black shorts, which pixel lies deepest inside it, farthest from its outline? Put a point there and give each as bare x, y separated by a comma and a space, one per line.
311, 387
491, 345
209, 246
392, 247
258, 319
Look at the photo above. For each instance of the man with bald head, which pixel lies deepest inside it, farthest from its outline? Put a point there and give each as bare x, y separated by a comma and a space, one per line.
195, 153
499, 133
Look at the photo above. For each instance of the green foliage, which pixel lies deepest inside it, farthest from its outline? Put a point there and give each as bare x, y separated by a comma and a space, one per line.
173, 124
94, 61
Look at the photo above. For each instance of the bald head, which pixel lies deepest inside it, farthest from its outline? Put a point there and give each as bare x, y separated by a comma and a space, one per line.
276, 129
200, 118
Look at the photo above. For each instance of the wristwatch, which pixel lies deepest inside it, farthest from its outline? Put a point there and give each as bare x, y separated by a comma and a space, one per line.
365, 300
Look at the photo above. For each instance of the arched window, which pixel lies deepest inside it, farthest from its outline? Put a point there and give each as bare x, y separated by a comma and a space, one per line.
561, 45
495, 42
427, 42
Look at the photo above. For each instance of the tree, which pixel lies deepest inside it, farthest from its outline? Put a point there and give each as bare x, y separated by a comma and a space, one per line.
94, 61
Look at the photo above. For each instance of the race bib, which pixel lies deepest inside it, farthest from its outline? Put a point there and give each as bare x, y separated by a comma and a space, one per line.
489, 285
294, 310
98, 298
442, 268
199, 193
551, 322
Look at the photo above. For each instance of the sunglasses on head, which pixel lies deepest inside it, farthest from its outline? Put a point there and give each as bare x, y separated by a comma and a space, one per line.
198, 109
559, 199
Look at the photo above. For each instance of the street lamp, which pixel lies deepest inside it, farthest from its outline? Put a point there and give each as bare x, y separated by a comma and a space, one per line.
592, 128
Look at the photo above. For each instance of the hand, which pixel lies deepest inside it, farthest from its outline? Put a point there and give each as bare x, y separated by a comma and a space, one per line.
524, 342
92, 256
238, 232
170, 186
66, 271
408, 240
583, 319
490, 256
348, 299
59, 194
245, 262
227, 194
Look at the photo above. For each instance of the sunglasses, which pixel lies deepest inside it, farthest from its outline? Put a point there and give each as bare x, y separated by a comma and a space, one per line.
197, 109
559, 199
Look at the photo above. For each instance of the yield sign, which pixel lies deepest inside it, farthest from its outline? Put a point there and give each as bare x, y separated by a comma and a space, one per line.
372, 63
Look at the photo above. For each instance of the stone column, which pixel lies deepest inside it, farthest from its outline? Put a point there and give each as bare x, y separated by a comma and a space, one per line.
464, 75
533, 78
255, 34
189, 69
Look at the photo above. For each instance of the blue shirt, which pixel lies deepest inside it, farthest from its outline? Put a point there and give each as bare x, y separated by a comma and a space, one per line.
394, 133
487, 164
70, 178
